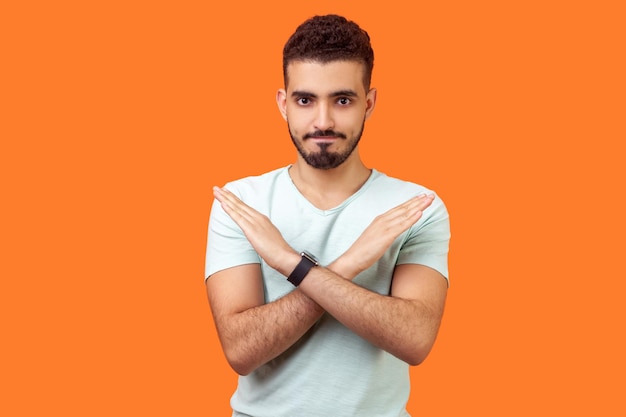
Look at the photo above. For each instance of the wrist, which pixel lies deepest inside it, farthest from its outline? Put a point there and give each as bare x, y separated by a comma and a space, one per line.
288, 262
345, 267
307, 262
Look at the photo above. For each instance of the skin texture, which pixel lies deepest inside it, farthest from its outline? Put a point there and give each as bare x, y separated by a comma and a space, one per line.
325, 98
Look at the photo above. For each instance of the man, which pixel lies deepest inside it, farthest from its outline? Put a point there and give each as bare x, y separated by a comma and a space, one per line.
331, 332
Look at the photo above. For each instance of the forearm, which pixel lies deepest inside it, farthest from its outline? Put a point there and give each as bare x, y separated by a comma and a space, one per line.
256, 335
259, 334
254, 332
403, 324
404, 328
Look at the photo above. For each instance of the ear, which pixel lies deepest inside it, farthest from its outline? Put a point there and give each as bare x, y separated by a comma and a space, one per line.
370, 102
281, 100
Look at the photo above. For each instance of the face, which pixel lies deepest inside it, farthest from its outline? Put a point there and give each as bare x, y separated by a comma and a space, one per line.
325, 106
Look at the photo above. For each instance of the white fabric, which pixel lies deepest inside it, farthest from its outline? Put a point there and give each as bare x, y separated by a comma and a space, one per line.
331, 371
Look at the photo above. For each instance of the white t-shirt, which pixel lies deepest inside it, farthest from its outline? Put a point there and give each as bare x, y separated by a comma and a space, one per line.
330, 371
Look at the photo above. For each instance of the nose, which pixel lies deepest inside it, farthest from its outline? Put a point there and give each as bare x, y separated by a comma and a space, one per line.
324, 118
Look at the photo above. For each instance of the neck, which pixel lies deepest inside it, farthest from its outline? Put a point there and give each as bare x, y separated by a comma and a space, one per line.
327, 188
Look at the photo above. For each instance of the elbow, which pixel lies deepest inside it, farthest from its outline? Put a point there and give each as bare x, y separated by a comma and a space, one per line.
239, 363
416, 359
418, 354
241, 370
239, 366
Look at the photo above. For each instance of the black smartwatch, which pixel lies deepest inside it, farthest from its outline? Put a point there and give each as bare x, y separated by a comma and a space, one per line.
307, 262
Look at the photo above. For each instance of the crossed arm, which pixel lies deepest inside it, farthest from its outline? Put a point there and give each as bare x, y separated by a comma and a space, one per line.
252, 333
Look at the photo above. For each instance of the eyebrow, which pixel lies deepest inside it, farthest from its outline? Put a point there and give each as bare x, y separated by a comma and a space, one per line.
339, 93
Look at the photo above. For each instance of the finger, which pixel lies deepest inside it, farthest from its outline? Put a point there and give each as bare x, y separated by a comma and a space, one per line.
234, 207
419, 204
426, 201
409, 207
224, 196
407, 214
418, 200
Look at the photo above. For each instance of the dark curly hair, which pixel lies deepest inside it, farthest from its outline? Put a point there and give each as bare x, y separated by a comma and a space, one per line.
330, 38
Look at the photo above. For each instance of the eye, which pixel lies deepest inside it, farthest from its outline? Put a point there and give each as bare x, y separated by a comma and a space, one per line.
344, 101
303, 101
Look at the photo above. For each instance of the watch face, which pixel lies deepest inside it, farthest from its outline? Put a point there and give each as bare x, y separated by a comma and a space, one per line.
309, 257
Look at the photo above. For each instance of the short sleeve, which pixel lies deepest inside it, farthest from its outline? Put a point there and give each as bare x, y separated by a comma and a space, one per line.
227, 246
427, 242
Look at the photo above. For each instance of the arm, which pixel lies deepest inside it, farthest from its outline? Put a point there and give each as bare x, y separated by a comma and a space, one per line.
251, 332
405, 323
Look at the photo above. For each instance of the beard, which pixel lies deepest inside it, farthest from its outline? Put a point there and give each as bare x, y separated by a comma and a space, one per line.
325, 159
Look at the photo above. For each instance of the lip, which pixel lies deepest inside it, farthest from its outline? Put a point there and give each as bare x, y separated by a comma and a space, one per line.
324, 138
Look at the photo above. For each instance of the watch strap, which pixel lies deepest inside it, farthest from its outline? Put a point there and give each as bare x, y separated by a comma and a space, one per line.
307, 262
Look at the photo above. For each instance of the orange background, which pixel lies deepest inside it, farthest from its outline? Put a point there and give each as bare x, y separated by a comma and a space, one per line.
118, 117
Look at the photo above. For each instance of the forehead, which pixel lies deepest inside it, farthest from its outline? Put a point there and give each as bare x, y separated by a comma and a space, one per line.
324, 78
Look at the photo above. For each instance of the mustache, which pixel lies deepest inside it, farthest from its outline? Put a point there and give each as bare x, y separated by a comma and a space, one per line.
324, 133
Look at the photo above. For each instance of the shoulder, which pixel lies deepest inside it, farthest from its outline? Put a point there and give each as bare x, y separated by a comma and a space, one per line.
382, 182
256, 185
397, 191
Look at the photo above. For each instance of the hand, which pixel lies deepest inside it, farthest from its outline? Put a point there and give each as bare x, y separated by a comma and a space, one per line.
381, 233
264, 237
